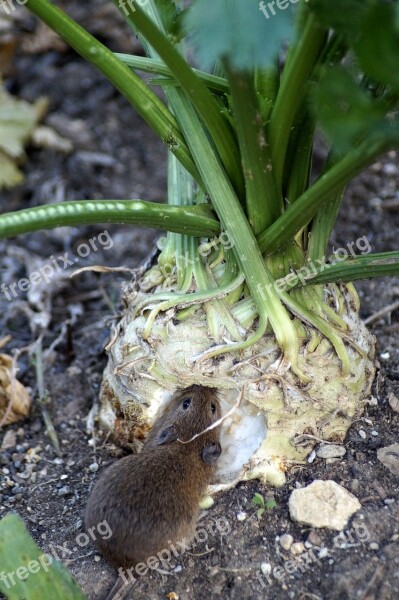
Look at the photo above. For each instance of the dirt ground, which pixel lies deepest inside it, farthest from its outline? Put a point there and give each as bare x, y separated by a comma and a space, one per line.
116, 156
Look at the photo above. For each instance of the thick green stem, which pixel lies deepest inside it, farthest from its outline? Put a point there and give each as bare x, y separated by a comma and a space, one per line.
262, 201
200, 97
323, 224
147, 104
299, 214
227, 206
267, 82
158, 67
362, 267
294, 85
196, 220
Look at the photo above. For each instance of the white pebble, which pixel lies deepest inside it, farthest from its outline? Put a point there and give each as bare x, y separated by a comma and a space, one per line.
286, 541
241, 516
311, 457
93, 468
297, 548
374, 546
323, 552
362, 434
266, 568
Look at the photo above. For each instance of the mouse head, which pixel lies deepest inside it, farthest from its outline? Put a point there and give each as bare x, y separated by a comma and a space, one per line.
189, 412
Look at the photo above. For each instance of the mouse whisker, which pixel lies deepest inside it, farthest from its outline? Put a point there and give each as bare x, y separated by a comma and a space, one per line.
219, 421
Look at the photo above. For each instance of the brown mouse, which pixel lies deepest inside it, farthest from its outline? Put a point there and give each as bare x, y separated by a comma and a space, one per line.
151, 500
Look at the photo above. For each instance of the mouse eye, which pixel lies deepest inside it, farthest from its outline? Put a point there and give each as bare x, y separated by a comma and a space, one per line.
186, 403
213, 407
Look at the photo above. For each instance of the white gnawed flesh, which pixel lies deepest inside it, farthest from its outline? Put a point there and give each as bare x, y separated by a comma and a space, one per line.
278, 421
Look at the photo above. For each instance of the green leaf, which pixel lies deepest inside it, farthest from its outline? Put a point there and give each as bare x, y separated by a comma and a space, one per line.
27, 572
271, 504
343, 15
172, 18
258, 499
238, 30
378, 46
168, 12
345, 110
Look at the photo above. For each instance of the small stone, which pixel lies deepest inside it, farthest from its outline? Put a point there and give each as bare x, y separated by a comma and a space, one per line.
389, 501
314, 539
97, 558
311, 457
297, 548
374, 546
241, 516
178, 568
331, 451
389, 169
376, 202
385, 356
63, 477
9, 440
93, 468
362, 434
266, 568
323, 504
58, 461
389, 456
286, 541
393, 402
64, 491
323, 552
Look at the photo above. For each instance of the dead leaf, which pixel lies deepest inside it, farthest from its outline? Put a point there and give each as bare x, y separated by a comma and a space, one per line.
18, 119
46, 137
14, 398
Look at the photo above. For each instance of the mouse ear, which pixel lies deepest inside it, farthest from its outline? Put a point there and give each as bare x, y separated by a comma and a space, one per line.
167, 435
211, 453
